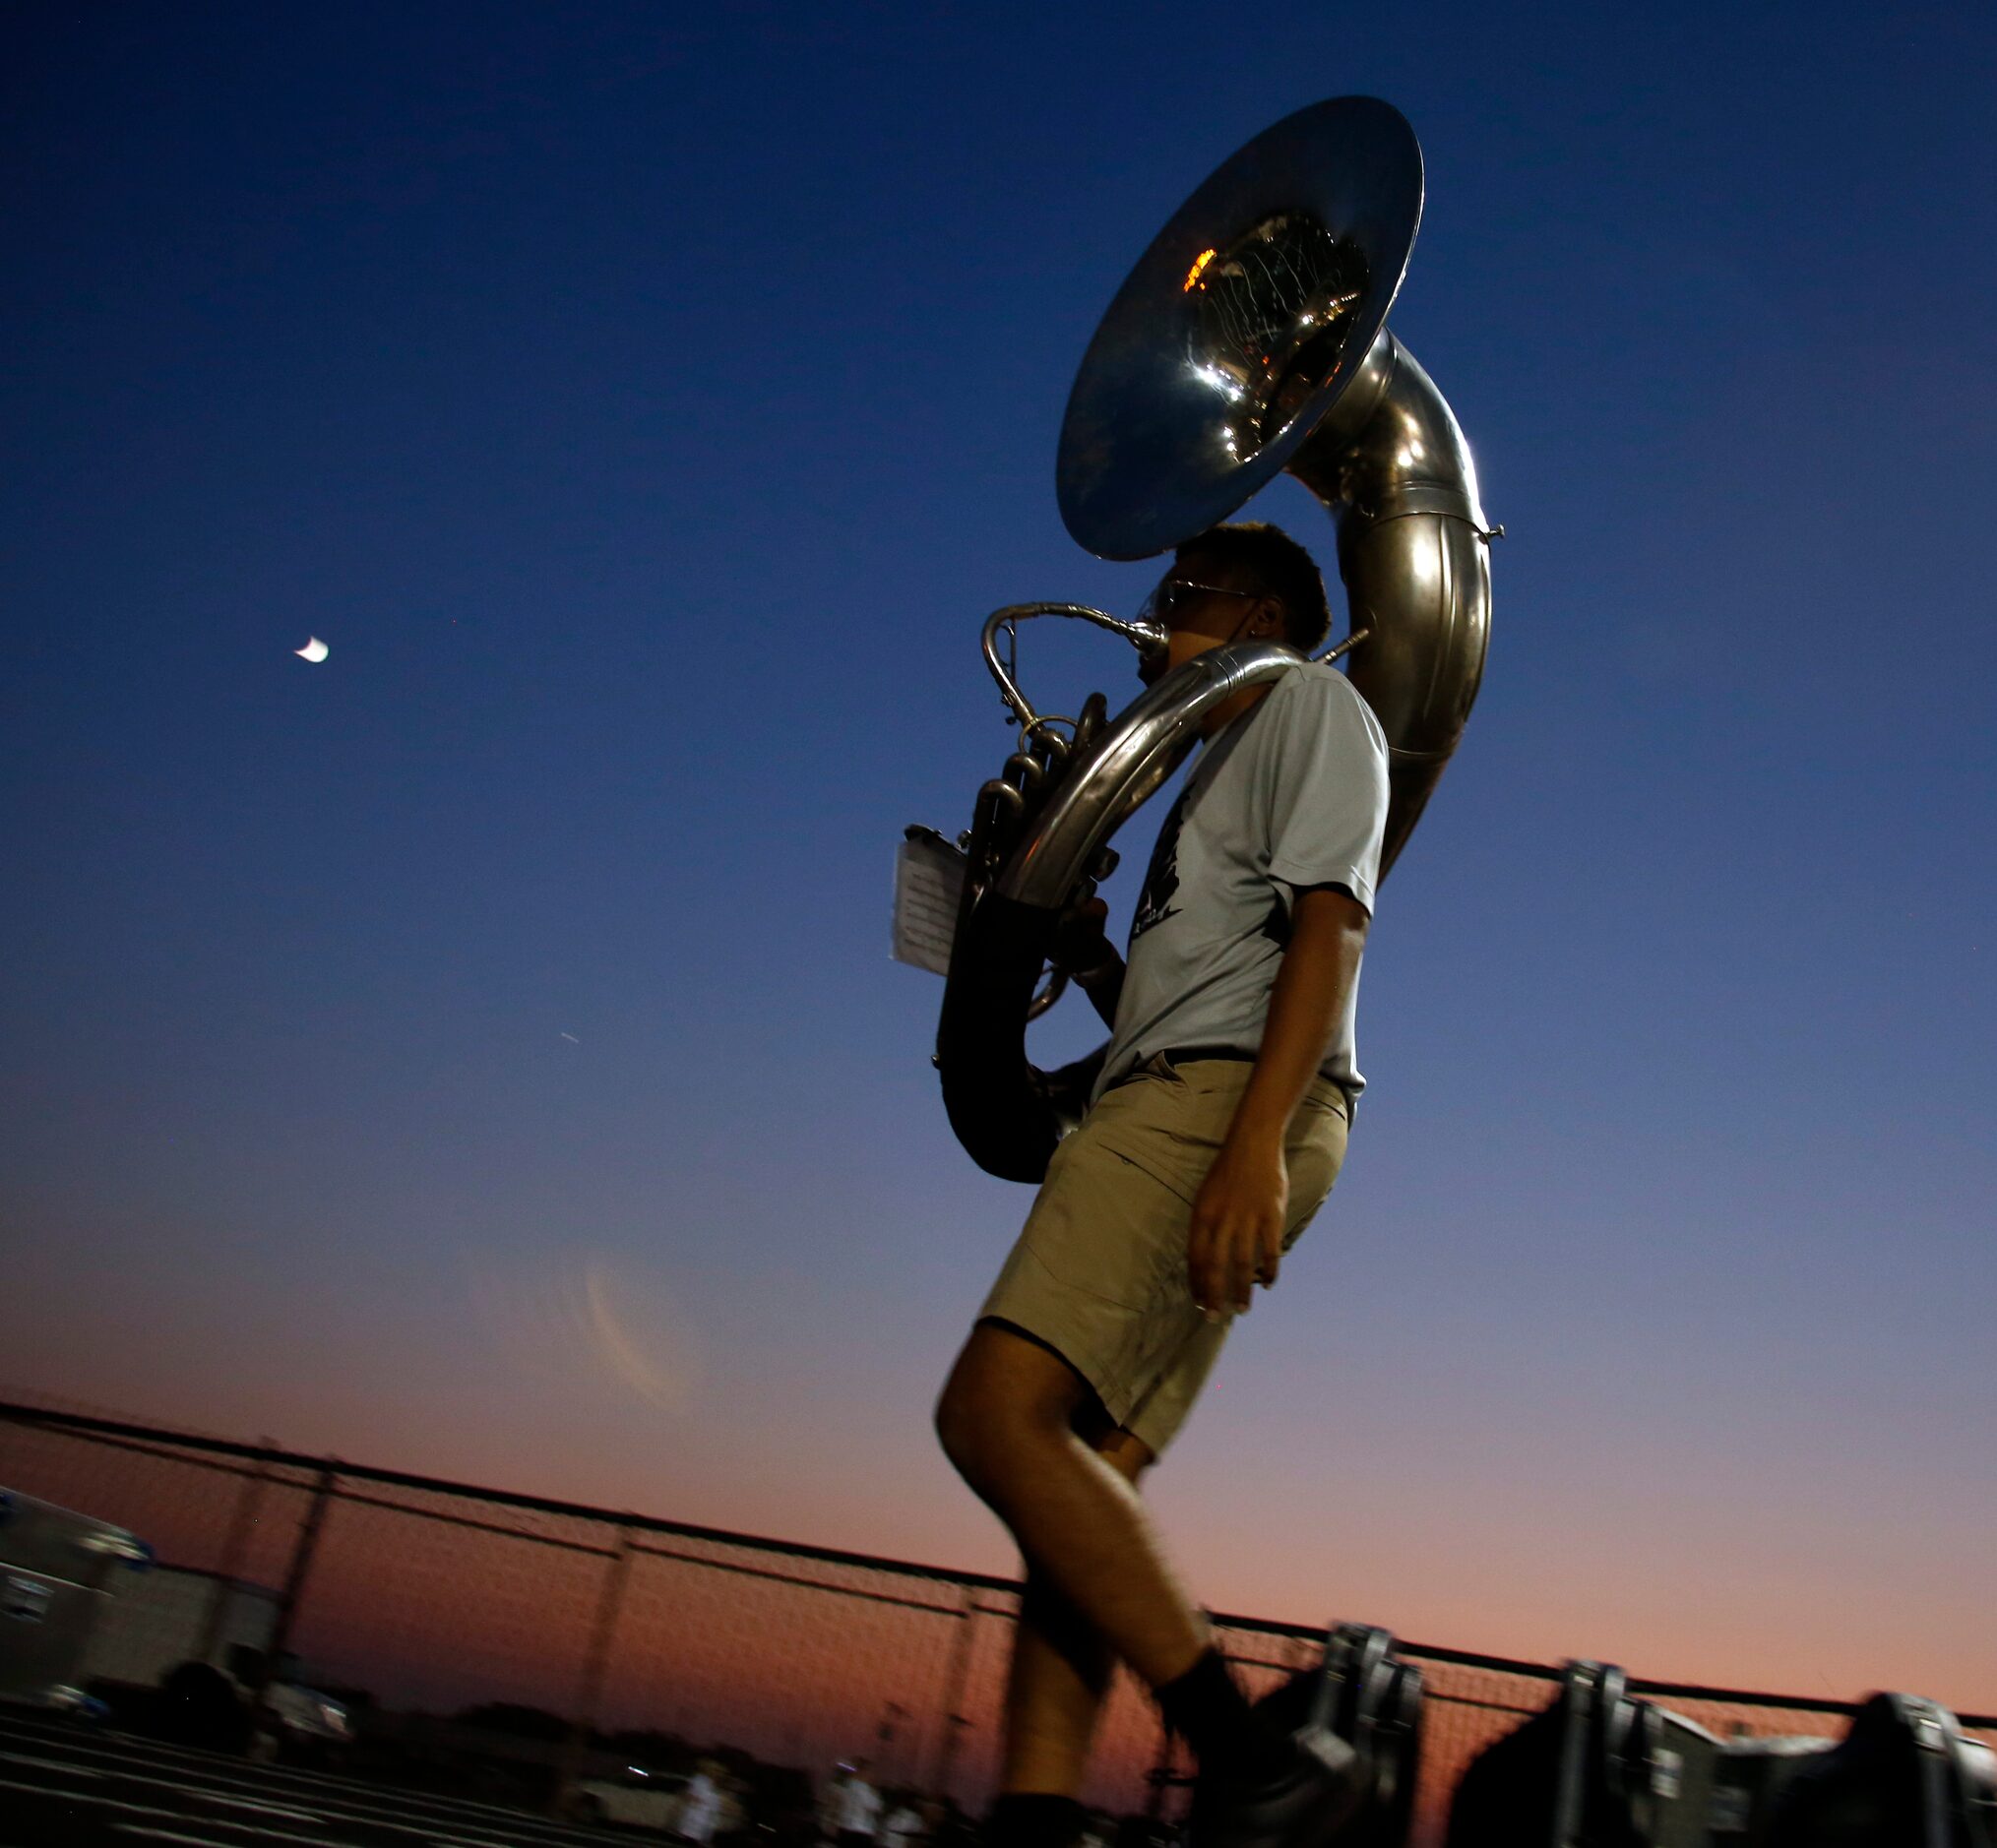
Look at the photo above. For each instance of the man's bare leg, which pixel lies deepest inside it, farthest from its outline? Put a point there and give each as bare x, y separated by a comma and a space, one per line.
1006, 1422
1061, 1666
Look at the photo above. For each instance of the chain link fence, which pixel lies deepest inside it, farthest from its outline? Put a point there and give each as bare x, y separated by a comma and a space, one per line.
420, 1600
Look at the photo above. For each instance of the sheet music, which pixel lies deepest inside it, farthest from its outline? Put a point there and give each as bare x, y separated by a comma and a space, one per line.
928, 889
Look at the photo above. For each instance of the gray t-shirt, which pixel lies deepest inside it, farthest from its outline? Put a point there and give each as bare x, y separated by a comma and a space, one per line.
1292, 794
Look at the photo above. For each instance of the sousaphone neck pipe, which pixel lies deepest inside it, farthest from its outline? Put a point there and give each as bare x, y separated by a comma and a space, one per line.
1390, 467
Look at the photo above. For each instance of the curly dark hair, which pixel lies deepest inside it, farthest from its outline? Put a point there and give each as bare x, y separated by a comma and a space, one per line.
1279, 567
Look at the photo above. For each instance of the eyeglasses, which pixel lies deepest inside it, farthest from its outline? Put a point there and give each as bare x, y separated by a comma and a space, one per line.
1173, 593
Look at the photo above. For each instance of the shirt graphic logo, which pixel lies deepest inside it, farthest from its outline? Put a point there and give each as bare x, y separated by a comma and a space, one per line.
1161, 877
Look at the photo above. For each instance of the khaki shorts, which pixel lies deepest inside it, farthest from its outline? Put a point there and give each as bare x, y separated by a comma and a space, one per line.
1099, 1271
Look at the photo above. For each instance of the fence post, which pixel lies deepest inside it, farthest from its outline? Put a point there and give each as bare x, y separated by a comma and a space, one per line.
294, 1580
230, 1571
953, 1722
589, 1684
884, 1741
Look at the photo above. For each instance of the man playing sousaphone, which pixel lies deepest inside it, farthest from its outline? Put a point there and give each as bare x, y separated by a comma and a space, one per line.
1214, 1134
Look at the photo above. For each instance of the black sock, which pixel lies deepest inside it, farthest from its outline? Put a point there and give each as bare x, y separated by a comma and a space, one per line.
1033, 1820
1208, 1709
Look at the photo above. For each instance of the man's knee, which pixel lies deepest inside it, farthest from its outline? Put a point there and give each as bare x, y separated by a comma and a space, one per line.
1007, 1387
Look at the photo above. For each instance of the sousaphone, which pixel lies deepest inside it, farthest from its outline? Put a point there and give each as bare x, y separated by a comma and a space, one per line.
1250, 338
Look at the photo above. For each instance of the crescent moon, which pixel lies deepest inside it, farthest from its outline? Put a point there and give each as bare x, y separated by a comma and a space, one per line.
313, 651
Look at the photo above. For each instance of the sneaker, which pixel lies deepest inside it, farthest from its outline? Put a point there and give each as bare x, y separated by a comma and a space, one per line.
1303, 1807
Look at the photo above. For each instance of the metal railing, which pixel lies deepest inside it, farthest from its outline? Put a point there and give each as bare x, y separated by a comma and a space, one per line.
436, 1597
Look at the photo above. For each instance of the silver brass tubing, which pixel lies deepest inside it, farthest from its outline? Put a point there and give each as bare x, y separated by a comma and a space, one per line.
1143, 745
1391, 468
1057, 987
1139, 636
1027, 770
1002, 795
1042, 735
1344, 648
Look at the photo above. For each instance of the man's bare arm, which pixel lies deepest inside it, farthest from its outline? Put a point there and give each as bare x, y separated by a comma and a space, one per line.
1235, 1237
1081, 947
1104, 985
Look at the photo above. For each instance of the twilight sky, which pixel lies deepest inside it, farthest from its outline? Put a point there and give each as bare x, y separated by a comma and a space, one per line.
478, 1053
